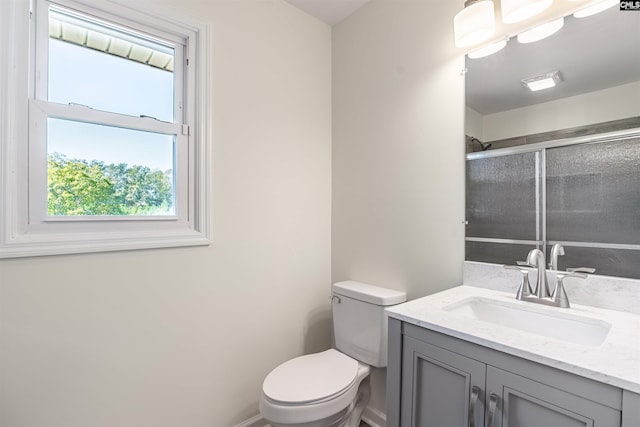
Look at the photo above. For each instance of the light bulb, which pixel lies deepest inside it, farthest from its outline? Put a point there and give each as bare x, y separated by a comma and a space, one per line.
487, 50
474, 24
595, 7
518, 10
541, 31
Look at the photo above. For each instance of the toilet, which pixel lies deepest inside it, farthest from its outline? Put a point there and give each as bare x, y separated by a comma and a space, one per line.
331, 388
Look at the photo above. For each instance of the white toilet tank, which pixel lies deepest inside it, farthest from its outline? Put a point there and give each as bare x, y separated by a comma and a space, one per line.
359, 320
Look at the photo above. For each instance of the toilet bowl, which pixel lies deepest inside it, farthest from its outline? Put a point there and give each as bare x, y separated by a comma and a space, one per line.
331, 388
316, 390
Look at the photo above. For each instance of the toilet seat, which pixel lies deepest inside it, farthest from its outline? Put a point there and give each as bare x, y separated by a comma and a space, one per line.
311, 378
311, 387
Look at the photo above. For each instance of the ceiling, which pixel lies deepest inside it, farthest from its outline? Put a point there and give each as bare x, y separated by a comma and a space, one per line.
593, 53
329, 11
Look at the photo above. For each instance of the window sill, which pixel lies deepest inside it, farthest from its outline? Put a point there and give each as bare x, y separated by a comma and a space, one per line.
60, 244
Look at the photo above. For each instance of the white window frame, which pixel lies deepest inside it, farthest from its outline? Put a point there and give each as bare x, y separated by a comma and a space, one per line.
25, 228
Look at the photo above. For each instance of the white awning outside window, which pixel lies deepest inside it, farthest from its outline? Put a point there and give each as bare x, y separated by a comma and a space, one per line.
81, 32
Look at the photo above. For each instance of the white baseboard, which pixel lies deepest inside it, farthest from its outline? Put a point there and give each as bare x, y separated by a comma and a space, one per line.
255, 421
374, 418
371, 416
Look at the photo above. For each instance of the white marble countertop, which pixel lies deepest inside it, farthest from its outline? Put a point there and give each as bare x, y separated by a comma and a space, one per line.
615, 361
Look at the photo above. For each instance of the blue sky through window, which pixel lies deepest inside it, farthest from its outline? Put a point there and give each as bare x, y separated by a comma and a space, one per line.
109, 83
78, 140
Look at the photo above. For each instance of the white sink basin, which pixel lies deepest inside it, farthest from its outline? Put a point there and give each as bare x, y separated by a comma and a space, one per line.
548, 322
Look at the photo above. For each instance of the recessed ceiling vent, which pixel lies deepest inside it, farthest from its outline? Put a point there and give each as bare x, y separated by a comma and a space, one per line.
544, 81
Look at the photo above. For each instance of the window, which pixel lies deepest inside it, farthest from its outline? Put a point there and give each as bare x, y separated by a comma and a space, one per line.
109, 147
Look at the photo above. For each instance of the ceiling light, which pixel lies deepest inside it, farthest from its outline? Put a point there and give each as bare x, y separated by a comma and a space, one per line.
487, 50
544, 81
475, 23
595, 7
541, 31
518, 10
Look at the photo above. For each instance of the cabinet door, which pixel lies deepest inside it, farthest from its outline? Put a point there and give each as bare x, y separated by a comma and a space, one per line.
440, 388
515, 401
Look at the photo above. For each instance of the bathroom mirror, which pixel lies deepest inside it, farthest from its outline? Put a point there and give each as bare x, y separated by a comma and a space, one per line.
598, 60
585, 196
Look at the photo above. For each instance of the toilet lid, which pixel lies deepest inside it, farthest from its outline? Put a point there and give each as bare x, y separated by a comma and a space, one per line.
311, 377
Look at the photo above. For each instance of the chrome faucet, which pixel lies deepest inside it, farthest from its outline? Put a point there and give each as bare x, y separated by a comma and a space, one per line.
556, 250
536, 259
541, 294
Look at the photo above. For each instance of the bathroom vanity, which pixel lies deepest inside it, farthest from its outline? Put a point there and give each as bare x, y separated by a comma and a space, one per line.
473, 357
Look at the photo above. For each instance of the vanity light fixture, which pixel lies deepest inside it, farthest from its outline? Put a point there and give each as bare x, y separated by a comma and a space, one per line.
543, 81
595, 7
487, 50
475, 23
518, 10
541, 31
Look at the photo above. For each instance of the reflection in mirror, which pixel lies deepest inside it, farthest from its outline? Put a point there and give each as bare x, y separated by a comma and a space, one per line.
598, 61
582, 186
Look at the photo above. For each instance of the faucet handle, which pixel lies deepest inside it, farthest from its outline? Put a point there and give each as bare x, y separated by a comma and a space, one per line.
581, 270
525, 287
559, 295
561, 275
524, 264
522, 268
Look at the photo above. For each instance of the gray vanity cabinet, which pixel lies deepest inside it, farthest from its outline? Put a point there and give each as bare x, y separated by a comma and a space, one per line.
445, 388
434, 380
